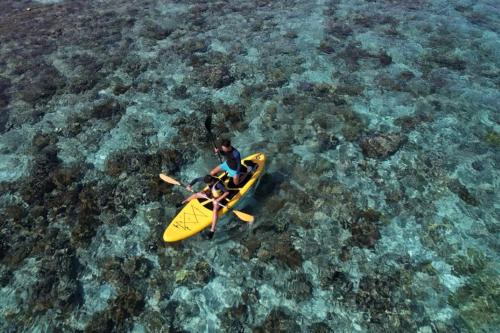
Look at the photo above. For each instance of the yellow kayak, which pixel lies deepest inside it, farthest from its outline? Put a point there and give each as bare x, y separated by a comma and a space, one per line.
196, 215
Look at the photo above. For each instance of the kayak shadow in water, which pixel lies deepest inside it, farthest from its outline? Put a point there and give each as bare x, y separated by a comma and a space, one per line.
269, 184
267, 187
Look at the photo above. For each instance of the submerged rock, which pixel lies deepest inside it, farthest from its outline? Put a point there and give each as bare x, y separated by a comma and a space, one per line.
128, 304
137, 267
284, 251
463, 193
473, 262
58, 286
64, 177
154, 31
299, 289
180, 92
364, 234
278, 320
336, 280
134, 162
203, 272
478, 165
383, 296
234, 319
172, 160
40, 182
450, 62
326, 46
381, 145
477, 301
4, 95
6, 275
120, 89
493, 138
338, 30
345, 254
353, 53
364, 228
320, 328
107, 109
291, 34
82, 83
385, 59
87, 221
217, 76
252, 244
4, 119
327, 141
189, 46
42, 140
45, 84
412, 121
353, 125
250, 296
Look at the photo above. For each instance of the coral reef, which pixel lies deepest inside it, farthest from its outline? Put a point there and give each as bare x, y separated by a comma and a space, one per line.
381, 145
378, 209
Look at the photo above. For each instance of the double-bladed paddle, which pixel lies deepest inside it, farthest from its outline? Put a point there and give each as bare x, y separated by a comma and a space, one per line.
241, 215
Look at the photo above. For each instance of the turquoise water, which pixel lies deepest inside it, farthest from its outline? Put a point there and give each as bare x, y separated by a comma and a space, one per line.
380, 206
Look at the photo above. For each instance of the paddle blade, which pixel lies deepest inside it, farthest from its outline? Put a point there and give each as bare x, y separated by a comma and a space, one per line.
169, 180
244, 216
208, 123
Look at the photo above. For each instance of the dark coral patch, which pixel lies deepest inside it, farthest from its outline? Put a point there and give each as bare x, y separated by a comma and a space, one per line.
382, 145
278, 320
107, 109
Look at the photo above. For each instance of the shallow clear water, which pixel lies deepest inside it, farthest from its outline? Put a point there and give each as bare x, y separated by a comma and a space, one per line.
378, 212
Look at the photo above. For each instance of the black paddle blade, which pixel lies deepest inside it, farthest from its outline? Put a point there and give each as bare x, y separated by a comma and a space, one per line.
208, 123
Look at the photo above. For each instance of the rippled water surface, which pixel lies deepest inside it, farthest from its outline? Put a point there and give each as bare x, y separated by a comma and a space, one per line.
379, 209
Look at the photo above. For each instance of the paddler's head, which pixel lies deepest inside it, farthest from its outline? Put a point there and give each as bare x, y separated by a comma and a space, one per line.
225, 145
209, 180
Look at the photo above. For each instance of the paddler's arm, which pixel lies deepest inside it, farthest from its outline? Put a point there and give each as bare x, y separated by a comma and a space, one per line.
237, 158
194, 181
222, 197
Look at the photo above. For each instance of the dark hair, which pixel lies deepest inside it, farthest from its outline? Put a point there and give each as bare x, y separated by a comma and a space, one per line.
208, 179
225, 142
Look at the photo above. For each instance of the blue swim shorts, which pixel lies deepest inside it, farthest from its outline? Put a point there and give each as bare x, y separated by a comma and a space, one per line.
229, 171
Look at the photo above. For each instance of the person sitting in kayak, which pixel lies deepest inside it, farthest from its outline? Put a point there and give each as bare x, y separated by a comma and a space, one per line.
232, 165
216, 191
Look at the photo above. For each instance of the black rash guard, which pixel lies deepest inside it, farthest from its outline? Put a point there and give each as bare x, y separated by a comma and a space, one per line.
233, 158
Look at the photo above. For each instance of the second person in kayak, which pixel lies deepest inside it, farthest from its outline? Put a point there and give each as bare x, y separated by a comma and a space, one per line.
232, 165
216, 191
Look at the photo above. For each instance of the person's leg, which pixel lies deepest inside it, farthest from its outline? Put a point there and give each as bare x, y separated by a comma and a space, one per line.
197, 195
236, 179
215, 171
214, 217
210, 234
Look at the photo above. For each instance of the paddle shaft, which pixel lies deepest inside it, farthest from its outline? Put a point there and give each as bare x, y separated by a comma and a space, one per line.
213, 200
213, 143
208, 126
